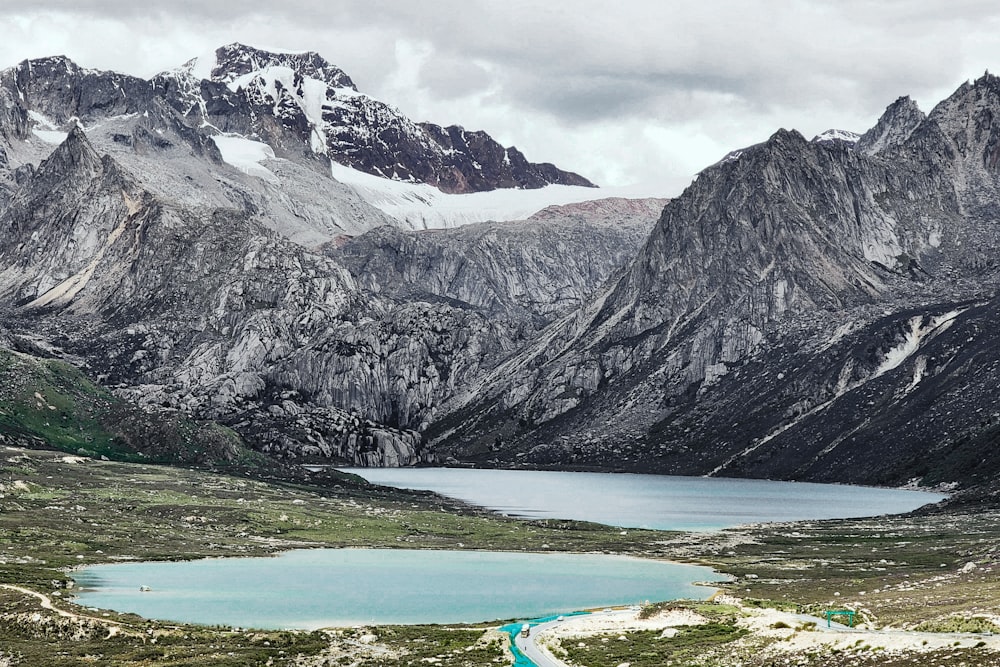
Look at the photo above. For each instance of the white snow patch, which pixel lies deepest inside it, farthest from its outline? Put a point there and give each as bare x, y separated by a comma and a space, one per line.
731, 156
45, 122
54, 137
421, 206
202, 66
914, 337
837, 135
246, 155
311, 94
46, 129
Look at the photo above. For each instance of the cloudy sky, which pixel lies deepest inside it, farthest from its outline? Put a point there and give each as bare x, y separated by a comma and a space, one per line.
625, 92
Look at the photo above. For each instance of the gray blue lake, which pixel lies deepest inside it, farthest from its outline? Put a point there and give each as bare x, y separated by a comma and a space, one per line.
335, 587
650, 501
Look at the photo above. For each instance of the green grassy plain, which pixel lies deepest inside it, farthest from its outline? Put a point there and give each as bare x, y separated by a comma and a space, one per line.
59, 511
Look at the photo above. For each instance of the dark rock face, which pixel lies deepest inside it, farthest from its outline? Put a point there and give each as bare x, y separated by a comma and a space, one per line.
304, 106
474, 161
59, 89
905, 397
794, 314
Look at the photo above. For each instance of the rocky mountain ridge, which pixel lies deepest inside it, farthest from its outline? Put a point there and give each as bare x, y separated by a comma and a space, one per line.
798, 307
133, 249
299, 103
770, 260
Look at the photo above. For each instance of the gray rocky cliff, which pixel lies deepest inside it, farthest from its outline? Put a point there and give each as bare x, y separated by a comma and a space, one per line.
526, 271
206, 310
773, 248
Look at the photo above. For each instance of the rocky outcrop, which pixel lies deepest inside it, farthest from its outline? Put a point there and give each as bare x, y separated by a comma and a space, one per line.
527, 272
895, 126
284, 425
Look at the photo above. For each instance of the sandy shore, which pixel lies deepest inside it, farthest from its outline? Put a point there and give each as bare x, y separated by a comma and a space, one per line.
776, 632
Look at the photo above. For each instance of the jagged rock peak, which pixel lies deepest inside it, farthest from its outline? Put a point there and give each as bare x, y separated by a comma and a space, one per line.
61, 90
783, 136
779, 139
236, 60
970, 98
75, 152
897, 123
987, 80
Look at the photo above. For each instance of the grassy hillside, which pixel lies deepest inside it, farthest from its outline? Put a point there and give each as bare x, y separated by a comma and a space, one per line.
48, 403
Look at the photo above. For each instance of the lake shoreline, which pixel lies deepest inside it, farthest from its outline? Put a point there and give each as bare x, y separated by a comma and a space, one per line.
450, 588
155, 513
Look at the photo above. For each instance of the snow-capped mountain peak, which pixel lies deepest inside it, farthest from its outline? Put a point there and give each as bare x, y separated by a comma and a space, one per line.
234, 61
317, 104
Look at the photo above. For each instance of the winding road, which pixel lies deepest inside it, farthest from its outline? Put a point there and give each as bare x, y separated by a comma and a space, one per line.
532, 650
540, 657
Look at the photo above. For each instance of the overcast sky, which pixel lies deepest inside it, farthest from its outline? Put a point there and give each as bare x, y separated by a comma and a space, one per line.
623, 92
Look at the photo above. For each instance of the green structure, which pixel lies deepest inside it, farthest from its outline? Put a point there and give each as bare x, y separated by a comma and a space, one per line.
844, 612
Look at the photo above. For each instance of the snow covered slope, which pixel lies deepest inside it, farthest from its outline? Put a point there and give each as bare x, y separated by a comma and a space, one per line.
421, 206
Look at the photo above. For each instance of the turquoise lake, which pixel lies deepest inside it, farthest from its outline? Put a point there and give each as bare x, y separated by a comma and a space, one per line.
650, 501
315, 588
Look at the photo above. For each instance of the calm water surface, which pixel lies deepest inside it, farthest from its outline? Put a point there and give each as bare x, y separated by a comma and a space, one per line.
323, 587
650, 501
326, 587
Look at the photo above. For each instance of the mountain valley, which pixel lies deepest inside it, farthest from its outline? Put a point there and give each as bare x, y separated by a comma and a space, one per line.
243, 240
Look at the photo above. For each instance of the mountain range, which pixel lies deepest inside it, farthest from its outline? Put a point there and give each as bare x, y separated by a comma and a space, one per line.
249, 239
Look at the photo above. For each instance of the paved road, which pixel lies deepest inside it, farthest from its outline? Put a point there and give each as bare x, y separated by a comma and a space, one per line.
534, 652
531, 649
